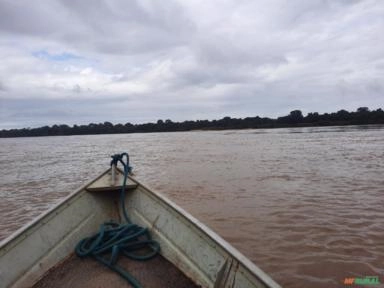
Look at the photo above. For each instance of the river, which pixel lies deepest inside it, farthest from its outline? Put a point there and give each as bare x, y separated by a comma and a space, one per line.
304, 204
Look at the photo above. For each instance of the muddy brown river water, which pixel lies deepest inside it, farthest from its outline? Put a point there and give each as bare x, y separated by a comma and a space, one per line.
305, 204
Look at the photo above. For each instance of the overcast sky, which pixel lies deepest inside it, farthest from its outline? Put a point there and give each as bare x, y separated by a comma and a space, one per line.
77, 62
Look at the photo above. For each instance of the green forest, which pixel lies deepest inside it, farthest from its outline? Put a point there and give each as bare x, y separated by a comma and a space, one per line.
361, 116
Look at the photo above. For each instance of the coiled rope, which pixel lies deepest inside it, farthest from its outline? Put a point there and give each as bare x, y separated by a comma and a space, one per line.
114, 239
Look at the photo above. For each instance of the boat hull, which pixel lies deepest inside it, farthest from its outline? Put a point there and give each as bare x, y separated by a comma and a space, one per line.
187, 243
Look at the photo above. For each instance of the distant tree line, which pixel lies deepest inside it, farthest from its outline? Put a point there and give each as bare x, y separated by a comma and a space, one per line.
295, 119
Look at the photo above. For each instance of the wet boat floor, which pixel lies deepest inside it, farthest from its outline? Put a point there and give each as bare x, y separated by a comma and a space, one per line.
78, 272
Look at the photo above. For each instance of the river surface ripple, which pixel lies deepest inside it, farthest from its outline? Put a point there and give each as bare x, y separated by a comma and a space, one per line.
304, 204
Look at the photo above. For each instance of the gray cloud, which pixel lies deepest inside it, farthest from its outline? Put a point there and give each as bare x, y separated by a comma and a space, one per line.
186, 59
2, 87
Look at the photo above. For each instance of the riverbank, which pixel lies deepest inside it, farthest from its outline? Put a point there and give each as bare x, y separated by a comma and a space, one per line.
363, 116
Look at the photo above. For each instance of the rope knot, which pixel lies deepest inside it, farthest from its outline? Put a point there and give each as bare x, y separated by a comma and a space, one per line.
116, 158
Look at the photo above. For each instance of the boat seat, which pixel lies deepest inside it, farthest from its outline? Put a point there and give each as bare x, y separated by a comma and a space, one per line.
104, 183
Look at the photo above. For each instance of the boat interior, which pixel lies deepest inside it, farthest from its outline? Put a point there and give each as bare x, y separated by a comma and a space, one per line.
189, 249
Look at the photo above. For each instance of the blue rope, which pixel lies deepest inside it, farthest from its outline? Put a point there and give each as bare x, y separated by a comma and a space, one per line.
127, 170
119, 238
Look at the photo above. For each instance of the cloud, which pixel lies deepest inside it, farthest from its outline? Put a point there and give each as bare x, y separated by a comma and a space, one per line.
187, 59
2, 87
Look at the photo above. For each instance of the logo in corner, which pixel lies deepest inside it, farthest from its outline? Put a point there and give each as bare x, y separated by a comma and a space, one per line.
368, 280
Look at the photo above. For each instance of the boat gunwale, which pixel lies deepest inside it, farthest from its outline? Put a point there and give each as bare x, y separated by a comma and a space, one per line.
248, 264
36, 220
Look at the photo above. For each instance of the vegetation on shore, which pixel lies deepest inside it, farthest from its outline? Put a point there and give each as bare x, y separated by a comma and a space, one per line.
295, 119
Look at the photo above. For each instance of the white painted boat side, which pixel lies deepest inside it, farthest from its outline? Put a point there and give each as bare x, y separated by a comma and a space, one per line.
36, 220
232, 269
31, 251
